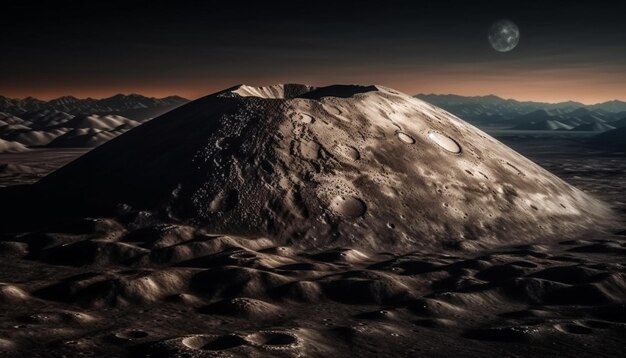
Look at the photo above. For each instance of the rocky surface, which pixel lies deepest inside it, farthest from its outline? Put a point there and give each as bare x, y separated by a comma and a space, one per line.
139, 283
365, 167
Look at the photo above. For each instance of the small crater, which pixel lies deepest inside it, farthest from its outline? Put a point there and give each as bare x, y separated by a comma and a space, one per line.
348, 206
348, 152
131, 334
332, 109
405, 138
444, 142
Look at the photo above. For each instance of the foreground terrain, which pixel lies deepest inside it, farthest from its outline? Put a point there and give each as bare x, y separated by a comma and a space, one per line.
131, 286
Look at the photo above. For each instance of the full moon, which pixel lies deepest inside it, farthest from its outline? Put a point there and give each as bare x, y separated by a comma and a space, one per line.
503, 35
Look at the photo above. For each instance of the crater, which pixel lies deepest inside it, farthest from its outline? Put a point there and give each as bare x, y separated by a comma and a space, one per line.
282, 91
332, 109
405, 138
444, 142
289, 91
341, 91
131, 334
348, 152
348, 207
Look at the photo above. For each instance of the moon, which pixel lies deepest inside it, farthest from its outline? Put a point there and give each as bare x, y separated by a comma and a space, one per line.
504, 35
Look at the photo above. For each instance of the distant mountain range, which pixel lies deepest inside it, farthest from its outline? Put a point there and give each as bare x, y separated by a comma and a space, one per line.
73, 122
134, 106
493, 111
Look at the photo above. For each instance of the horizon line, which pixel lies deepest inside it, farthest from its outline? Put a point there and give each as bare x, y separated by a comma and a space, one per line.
413, 95
96, 98
523, 100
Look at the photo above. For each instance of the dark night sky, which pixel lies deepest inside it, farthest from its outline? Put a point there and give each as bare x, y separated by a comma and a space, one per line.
568, 50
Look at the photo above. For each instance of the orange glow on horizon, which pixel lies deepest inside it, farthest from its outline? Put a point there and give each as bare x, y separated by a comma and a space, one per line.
541, 86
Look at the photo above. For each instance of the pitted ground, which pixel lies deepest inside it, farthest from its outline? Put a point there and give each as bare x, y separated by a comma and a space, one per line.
362, 167
132, 287
115, 288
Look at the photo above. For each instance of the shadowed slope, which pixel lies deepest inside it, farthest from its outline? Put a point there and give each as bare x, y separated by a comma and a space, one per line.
359, 166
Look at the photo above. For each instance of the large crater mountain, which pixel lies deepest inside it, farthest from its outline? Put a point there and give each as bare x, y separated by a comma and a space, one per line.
358, 166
